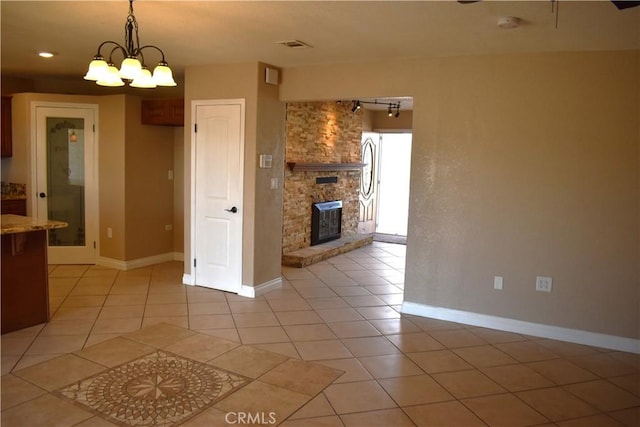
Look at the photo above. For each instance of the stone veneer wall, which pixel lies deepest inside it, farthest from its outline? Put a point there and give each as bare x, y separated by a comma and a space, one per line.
320, 132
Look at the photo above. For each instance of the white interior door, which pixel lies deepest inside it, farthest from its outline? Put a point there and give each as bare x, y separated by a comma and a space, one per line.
219, 161
66, 183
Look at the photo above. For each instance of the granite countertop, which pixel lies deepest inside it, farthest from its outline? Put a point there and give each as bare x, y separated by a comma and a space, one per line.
11, 224
14, 197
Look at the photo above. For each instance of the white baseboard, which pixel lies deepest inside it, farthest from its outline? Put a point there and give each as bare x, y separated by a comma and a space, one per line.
187, 279
261, 289
528, 328
178, 256
245, 291
136, 263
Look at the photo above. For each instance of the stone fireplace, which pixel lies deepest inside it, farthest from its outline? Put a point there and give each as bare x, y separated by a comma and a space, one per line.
322, 140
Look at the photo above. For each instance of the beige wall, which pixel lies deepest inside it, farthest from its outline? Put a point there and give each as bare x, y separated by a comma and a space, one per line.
381, 122
111, 176
17, 168
270, 139
148, 190
75, 85
110, 123
178, 190
147, 152
264, 134
522, 165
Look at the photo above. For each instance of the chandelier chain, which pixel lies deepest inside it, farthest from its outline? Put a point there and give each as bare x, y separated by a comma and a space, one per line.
131, 28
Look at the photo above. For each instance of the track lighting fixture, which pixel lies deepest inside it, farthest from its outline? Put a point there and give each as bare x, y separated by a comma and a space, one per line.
357, 104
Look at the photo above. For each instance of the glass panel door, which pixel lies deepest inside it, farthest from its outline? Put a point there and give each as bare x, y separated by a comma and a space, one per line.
66, 184
65, 180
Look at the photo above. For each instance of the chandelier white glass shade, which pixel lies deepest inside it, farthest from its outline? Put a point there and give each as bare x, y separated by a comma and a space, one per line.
132, 68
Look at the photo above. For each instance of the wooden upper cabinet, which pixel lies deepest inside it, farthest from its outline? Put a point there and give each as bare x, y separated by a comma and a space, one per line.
163, 112
6, 142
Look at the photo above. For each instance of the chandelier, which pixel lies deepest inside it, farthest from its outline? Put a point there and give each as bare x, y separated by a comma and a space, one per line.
133, 67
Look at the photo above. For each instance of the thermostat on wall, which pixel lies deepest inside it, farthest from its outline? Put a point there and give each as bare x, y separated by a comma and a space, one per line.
266, 160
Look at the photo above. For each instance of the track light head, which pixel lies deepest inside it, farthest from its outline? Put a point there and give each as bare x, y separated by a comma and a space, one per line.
356, 106
389, 111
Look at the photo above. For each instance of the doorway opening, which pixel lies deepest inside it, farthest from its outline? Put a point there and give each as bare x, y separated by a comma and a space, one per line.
384, 191
393, 185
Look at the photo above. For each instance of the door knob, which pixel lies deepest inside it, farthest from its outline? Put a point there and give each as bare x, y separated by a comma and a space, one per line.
232, 210
42, 195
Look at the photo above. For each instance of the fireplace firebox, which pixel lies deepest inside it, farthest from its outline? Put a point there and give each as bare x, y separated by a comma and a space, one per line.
326, 221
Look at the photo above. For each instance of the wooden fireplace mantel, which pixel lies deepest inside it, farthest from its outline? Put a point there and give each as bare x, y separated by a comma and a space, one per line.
324, 167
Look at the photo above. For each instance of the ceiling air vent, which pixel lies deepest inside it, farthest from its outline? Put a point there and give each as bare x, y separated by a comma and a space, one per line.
295, 44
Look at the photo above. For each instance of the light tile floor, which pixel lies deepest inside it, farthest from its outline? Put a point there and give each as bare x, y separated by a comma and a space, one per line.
399, 370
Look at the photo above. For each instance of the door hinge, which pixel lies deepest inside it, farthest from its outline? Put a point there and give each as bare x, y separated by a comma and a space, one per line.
195, 128
94, 128
94, 244
194, 262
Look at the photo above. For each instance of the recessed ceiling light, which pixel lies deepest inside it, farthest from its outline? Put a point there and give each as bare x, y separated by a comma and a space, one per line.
45, 54
295, 44
508, 22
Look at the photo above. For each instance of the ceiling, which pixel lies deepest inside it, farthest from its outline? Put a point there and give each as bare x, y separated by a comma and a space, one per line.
216, 32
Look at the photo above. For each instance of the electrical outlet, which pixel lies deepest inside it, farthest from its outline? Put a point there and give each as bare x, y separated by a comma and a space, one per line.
168, 227
497, 282
109, 232
543, 283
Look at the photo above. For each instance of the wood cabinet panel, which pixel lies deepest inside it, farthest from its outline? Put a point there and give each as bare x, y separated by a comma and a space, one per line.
14, 207
163, 112
6, 141
25, 290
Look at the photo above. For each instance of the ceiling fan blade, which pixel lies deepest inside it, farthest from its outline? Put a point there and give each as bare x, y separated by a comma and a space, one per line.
620, 4
625, 4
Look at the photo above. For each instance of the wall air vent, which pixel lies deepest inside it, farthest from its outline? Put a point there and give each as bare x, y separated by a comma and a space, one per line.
295, 44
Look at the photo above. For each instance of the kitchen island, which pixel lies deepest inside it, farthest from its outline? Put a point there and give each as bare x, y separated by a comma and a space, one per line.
25, 282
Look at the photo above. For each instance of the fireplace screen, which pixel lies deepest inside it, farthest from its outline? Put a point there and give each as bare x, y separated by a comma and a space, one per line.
326, 221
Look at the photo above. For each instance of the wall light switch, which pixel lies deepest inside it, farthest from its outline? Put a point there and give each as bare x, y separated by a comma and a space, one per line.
109, 232
274, 183
170, 175
543, 283
266, 160
498, 282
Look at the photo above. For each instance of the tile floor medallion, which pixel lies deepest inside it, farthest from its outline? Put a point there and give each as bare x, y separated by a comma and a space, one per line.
160, 376
159, 389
